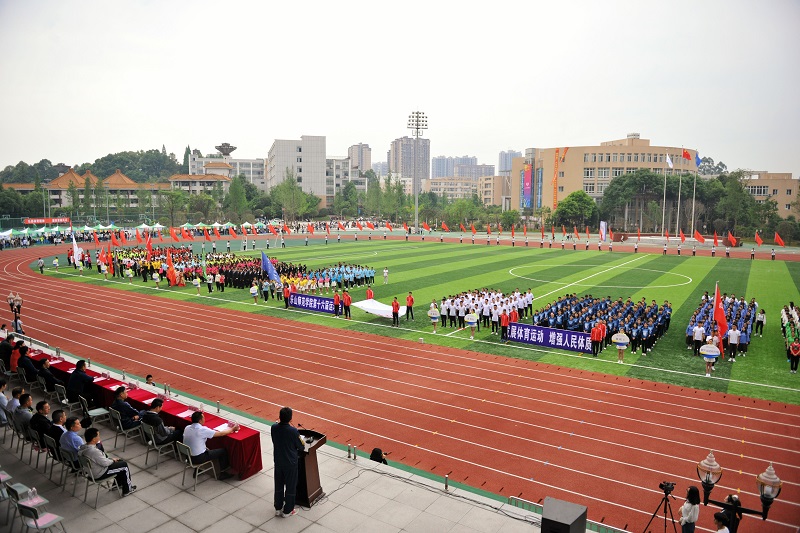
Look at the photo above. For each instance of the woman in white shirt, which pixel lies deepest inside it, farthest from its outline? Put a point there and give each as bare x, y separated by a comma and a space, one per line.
690, 510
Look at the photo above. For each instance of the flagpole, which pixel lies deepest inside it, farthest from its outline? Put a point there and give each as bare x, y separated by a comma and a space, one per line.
664, 202
680, 184
694, 192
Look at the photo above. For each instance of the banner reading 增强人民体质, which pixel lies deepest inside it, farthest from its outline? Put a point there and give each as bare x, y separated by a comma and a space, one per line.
562, 339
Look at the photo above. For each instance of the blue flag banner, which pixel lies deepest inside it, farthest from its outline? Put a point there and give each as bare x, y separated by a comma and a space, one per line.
311, 303
269, 268
697, 160
562, 339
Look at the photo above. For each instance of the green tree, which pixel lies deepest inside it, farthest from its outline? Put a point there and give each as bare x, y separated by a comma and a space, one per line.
708, 168
236, 201
575, 210
74, 196
737, 205
186, 155
33, 203
203, 204
11, 203
87, 196
173, 203
290, 200
373, 198
510, 218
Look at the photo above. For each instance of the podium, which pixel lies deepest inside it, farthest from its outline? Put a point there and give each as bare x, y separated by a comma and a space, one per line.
309, 489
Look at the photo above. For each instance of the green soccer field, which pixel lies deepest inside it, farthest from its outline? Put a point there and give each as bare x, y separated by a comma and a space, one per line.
432, 270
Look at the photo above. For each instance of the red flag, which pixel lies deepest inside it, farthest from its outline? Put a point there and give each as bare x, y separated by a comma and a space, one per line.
699, 238
216, 232
244, 230
667, 232
169, 259
148, 243
542, 232
122, 238
778, 240
512, 231
232, 233
103, 257
575, 231
462, 227
472, 228
110, 257
638, 235
732, 239
138, 236
405, 227
425, 226
525, 229
719, 318
272, 230
160, 238
359, 226
716, 242
587, 233
499, 228
488, 229
370, 225
174, 234
341, 227
758, 239
327, 228
686, 155
444, 227
310, 229
96, 240
389, 227
287, 230
206, 236
254, 230
184, 233
610, 234
683, 237
563, 231
553, 232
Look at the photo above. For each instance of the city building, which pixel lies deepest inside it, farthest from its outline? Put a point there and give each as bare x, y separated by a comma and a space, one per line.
498, 190
306, 159
401, 158
473, 171
341, 171
199, 183
777, 186
381, 168
504, 162
253, 170
360, 156
452, 188
445, 166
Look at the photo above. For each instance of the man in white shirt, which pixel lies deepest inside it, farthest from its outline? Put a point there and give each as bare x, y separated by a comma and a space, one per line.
733, 342
195, 437
698, 334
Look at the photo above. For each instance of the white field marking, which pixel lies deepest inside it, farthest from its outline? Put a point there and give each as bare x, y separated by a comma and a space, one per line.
521, 347
494, 450
454, 332
689, 280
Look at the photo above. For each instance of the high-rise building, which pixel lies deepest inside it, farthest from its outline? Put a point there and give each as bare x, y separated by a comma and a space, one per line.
401, 158
504, 163
445, 166
360, 156
473, 171
253, 170
381, 168
305, 157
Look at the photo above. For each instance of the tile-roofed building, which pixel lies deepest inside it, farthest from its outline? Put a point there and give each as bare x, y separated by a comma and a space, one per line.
118, 180
70, 176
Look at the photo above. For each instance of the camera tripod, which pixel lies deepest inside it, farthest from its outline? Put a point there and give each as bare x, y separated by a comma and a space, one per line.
667, 507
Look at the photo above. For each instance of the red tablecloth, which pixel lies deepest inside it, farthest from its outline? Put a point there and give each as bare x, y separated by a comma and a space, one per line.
244, 447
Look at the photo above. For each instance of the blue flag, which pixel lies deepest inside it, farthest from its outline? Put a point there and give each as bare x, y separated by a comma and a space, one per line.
266, 266
697, 159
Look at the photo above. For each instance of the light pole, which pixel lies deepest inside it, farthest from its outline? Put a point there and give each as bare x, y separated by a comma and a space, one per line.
417, 121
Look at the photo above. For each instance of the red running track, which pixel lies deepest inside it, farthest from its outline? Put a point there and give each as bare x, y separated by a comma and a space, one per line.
507, 426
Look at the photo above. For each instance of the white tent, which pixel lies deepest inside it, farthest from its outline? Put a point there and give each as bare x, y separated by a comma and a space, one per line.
158, 226
374, 307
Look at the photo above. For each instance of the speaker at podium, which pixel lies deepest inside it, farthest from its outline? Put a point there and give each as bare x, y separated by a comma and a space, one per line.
309, 489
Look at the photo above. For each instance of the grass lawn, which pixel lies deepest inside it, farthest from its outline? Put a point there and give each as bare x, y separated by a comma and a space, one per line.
432, 270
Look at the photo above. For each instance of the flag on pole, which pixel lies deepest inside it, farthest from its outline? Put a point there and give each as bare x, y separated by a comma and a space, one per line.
327, 228
444, 227
719, 318
587, 233
148, 244
232, 233
310, 228
542, 228
405, 227
287, 230
341, 227
184, 233
389, 227
575, 231
122, 238
110, 261
206, 236
525, 229
216, 232
667, 232
370, 225
472, 228
778, 240
563, 231
686, 155
758, 239
732, 239
462, 227
488, 229
161, 239
683, 237
102, 257
253, 230
610, 234
138, 236
697, 160
269, 268
76, 252
358, 225
669, 161
512, 231
638, 235
425, 226
699, 238
272, 230
716, 242
96, 240
499, 228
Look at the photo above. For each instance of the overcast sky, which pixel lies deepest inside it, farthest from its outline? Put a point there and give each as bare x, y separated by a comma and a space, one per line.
81, 79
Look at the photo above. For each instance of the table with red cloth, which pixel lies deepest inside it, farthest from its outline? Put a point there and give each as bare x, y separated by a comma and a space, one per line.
244, 447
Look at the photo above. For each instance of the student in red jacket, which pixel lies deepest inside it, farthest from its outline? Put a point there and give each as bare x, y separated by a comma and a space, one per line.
286, 292
370, 294
596, 337
513, 316
336, 302
346, 301
504, 326
395, 313
409, 306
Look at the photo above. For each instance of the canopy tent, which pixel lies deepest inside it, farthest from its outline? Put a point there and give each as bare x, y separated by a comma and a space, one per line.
217, 225
374, 307
260, 225
110, 226
56, 229
43, 229
143, 226
87, 228
200, 225
246, 224
17, 232
99, 227
9, 233
188, 226
158, 225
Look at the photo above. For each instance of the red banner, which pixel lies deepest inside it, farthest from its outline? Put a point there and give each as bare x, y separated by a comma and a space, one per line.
55, 220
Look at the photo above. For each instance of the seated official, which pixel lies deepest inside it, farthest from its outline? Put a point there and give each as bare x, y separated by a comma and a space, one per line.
13, 403
40, 421
129, 415
78, 380
162, 433
3, 402
24, 412
26, 363
50, 380
104, 467
195, 437
70, 440
57, 429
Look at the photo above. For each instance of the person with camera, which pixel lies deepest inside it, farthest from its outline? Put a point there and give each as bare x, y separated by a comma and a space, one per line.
690, 510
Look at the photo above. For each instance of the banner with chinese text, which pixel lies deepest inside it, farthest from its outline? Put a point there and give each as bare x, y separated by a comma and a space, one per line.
311, 303
574, 341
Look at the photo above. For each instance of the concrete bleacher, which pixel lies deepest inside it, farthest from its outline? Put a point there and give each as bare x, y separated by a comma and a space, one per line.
361, 495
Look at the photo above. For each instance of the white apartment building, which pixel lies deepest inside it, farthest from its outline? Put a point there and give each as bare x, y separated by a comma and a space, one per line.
306, 158
253, 170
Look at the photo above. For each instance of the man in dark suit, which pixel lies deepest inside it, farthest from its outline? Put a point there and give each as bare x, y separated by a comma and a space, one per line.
129, 415
48, 376
286, 446
6, 347
78, 381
